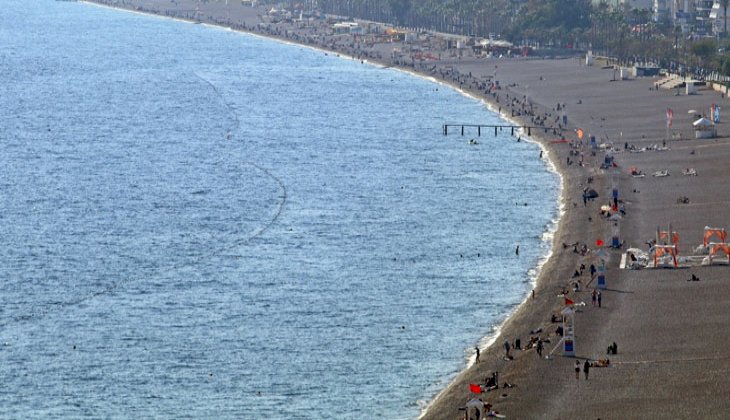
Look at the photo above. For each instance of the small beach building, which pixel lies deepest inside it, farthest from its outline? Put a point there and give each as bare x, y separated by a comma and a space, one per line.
348, 28
645, 71
689, 88
704, 129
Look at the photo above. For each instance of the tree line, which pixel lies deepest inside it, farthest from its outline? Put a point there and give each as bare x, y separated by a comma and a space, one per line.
625, 34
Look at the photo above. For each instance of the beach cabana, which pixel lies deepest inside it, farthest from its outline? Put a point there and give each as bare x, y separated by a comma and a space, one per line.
721, 233
665, 256
704, 129
714, 248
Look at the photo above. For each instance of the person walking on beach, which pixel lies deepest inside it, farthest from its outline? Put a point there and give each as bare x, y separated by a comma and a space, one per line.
598, 297
586, 368
506, 348
477, 349
594, 296
577, 370
539, 348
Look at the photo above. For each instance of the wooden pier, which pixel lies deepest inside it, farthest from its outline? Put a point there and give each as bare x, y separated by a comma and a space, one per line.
497, 128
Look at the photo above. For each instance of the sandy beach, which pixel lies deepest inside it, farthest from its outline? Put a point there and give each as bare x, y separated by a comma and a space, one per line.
672, 359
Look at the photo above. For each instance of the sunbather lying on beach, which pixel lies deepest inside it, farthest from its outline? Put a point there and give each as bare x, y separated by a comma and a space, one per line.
635, 172
601, 363
690, 172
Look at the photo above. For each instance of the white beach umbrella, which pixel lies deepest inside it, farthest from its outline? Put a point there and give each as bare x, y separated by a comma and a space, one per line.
474, 405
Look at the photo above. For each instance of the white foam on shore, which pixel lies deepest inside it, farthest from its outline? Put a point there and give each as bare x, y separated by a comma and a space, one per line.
548, 236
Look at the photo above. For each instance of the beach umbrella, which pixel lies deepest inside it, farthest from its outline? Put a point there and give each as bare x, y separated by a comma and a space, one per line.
476, 406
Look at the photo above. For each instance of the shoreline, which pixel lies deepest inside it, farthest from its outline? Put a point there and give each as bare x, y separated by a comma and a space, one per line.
645, 311
552, 228
551, 165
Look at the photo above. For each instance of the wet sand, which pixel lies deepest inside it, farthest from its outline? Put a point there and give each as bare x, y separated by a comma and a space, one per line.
672, 359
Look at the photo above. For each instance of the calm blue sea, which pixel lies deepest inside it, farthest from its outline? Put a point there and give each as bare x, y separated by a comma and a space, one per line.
196, 223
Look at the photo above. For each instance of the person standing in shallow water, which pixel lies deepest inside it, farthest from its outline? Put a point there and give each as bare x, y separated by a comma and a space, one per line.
477, 349
517, 250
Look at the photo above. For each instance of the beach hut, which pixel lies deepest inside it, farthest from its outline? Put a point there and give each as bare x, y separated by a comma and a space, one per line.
704, 129
690, 87
589, 58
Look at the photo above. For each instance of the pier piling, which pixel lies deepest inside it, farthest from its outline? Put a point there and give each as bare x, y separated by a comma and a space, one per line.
500, 127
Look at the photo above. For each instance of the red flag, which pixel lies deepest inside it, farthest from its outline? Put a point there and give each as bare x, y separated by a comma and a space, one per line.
670, 117
568, 302
475, 389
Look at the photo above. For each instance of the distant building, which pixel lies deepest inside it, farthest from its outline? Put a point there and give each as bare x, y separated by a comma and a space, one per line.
718, 18
703, 24
638, 4
662, 10
627, 4
692, 16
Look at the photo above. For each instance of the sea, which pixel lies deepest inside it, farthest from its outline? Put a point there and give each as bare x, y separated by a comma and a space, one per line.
199, 223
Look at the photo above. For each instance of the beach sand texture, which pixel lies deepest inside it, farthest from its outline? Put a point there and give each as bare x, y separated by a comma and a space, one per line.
672, 359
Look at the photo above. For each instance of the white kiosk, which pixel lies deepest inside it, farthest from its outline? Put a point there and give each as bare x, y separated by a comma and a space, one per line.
704, 129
